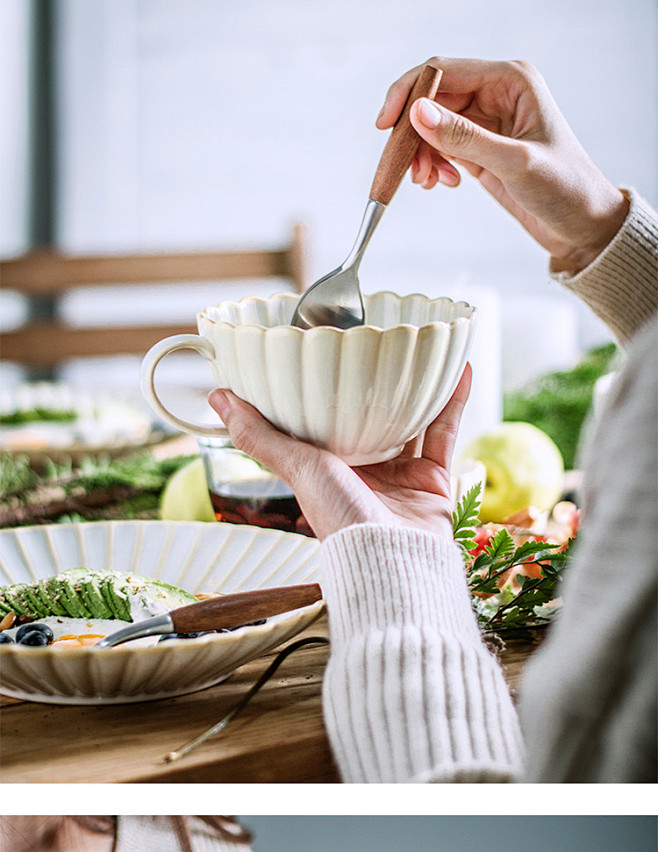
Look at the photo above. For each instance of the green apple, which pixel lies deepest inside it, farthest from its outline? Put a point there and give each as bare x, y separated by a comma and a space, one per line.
185, 496
524, 468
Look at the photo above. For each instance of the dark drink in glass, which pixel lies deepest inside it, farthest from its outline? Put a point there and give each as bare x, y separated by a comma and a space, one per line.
244, 492
261, 503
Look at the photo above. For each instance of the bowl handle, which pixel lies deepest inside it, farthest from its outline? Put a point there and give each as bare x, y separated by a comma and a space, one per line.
147, 380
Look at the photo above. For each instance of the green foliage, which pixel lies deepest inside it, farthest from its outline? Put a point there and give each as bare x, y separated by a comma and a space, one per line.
15, 473
558, 403
465, 518
503, 611
128, 487
144, 472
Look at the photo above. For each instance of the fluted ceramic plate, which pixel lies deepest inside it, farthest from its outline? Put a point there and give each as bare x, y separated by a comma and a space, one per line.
100, 423
195, 556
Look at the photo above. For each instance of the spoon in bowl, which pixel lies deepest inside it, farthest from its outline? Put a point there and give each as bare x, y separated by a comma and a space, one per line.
335, 299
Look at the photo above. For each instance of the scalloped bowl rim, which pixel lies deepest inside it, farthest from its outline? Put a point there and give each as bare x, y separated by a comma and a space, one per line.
467, 318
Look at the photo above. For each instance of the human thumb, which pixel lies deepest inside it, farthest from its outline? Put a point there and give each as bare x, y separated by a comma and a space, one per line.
456, 136
252, 433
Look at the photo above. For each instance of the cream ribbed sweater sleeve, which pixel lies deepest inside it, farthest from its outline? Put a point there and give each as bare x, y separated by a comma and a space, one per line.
621, 285
411, 692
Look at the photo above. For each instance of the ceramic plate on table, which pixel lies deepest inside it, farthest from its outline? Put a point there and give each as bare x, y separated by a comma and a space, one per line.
198, 557
50, 420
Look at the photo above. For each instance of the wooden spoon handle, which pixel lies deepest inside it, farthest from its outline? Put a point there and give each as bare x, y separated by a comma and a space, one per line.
242, 607
403, 141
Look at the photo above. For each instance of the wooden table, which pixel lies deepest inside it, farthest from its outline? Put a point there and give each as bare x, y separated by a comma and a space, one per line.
278, 737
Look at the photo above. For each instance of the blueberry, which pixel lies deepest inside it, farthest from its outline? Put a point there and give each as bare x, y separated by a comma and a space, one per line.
5, 639
33, 637
31, 628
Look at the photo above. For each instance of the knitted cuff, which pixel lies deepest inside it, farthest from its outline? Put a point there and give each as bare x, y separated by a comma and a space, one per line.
621, 284
377, 576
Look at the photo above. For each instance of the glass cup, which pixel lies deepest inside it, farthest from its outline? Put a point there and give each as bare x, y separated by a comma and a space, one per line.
242, 491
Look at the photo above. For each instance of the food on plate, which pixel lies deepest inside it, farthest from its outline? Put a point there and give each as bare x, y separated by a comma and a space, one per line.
81, 593
524, 468
38, 414
38, 631
43, 416
79, 607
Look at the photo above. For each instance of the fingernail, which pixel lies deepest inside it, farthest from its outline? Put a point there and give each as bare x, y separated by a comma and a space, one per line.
429, 113
220, 402
448, 178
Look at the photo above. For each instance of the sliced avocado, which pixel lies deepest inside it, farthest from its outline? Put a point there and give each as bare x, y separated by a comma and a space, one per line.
121, 592
111, 600
64, 589
82, 593
14, 598
87, 585
50, 600
169, 596
90, 588
34, 603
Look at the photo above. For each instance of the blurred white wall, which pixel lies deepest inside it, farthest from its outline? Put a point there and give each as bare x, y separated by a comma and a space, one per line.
200, 123
14, 129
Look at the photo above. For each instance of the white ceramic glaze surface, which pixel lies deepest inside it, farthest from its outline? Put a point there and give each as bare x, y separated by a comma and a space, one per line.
361, 393
195, 556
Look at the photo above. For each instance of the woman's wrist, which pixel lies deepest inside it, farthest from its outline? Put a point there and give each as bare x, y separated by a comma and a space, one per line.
604, 226
380, 577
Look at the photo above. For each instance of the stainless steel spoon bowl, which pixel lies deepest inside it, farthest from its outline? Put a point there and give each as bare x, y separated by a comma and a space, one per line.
335, 299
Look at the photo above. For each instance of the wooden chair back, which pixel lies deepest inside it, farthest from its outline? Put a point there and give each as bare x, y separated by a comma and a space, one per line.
45, 276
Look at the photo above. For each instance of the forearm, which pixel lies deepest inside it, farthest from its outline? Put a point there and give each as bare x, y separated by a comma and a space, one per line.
621, 284
411, 692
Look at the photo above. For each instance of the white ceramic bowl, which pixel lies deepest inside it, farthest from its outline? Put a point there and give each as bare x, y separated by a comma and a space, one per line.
195, 556
361, 393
